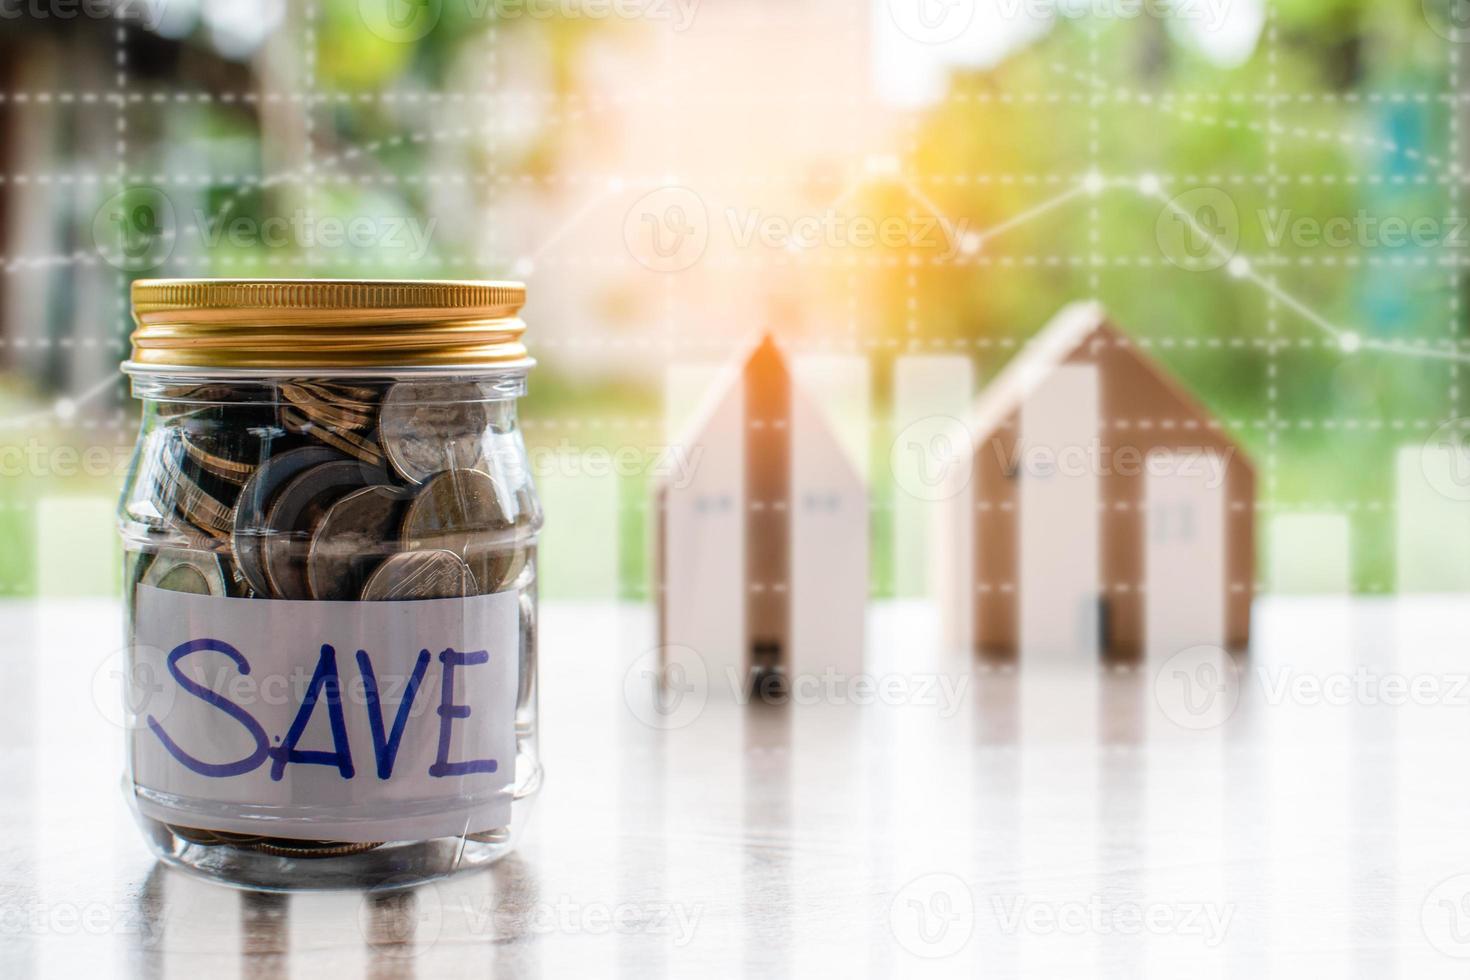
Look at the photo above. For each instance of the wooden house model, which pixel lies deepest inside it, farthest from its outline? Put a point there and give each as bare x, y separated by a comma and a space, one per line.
762, 555
1107, 512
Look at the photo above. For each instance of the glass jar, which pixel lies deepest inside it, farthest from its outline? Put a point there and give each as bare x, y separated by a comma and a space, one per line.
329, 530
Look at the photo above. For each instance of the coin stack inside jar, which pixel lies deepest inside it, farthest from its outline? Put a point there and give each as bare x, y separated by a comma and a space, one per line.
337, 486
335, 491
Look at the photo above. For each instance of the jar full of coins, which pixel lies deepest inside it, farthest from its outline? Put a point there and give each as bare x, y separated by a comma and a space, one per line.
329, 532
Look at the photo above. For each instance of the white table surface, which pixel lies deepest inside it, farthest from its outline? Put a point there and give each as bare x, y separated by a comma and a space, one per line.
1043, 822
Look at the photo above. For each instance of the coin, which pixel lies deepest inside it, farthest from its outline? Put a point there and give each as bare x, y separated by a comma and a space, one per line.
497, 558
368, 394
185, 399
144, 502
353, 536
235, 584
180, 490
326, 407
497, 836
199, 500
420, 575
177, 571
227, 441
293, 516
528, 508
514, 552
514, 557
505, 464
464, 511
430, 427
219, 466
195, 835
249, 527
350, 443
281, 847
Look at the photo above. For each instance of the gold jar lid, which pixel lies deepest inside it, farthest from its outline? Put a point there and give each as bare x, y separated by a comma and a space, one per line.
326, 324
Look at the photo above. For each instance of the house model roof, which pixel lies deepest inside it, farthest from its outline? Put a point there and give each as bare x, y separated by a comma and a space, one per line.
1075, 328
733, 373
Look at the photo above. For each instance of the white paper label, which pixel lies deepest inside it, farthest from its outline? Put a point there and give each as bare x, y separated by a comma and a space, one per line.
346, 721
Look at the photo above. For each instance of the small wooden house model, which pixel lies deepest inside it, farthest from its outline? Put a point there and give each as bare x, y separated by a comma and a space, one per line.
1106, 512
762, 553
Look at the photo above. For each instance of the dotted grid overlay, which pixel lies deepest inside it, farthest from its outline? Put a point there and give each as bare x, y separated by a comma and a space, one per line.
480, 118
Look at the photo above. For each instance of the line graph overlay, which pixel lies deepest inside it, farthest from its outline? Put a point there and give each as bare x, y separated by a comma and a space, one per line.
1269, 274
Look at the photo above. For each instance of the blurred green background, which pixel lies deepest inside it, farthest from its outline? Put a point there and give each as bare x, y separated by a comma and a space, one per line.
517, 145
